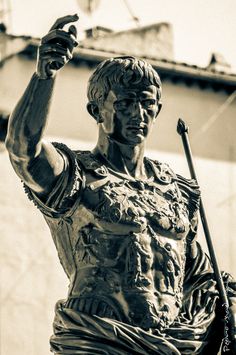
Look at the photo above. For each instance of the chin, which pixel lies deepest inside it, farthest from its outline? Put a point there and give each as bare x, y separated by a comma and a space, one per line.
136, 140
128, 140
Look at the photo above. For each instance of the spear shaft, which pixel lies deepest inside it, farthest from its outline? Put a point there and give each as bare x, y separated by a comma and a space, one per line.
183, 129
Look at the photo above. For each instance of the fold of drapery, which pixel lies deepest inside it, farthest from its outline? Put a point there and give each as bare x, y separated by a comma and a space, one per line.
197, 330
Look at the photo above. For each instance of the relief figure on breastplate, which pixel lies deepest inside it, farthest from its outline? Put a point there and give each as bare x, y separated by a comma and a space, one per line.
124, 225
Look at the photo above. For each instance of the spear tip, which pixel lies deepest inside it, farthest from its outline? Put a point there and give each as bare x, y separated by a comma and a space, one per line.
182, 127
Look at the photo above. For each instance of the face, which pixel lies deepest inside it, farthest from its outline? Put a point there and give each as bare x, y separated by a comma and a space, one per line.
128, 114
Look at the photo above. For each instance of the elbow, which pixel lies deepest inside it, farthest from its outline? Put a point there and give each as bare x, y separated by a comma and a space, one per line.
19, 146
16, 153
18, 160
9, 143
10, 140
12, 146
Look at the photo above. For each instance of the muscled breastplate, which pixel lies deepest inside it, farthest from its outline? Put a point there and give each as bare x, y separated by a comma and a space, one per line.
129, 244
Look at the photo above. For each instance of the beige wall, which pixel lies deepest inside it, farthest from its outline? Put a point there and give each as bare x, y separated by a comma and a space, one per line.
69, 118
31, 277
159, 35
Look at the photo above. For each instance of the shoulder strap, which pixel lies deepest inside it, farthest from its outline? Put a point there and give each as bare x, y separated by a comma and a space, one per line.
90, 164
162, 172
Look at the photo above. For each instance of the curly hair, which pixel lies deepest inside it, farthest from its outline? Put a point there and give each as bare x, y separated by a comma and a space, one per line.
123, 71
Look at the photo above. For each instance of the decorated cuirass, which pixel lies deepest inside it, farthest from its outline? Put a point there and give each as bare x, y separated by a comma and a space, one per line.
123, 242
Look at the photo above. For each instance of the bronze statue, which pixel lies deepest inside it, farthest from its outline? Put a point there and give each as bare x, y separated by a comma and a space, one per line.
124, 225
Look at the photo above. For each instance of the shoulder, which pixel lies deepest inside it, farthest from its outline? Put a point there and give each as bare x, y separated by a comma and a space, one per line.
67, 189
188, 187
162, 171
65, 151
77, 159
190, 191
84, 167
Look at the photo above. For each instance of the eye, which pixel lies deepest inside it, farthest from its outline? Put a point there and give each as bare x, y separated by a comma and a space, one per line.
123, 104
148, 103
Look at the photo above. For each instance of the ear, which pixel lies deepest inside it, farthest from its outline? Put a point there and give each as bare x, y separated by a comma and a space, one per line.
159, 108
158, 111
93, 110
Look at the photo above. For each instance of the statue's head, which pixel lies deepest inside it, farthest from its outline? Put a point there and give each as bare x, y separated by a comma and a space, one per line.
121, 92
125, 71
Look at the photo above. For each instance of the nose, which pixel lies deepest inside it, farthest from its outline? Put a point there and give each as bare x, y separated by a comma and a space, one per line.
138, 111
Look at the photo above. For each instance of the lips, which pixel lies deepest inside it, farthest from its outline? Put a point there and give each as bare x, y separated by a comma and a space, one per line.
136, 128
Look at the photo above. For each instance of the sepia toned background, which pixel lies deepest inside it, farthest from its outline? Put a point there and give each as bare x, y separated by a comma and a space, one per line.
191, 44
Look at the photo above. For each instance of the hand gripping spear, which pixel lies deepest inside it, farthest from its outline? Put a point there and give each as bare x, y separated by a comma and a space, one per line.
183, 129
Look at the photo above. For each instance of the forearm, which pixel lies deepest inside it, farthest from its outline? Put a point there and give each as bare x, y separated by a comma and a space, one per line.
28, 120
35, 161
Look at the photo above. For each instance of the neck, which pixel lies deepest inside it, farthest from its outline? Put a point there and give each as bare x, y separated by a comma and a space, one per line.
122, 157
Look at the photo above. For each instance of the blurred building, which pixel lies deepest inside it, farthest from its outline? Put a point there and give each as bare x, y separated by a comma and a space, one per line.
203, 97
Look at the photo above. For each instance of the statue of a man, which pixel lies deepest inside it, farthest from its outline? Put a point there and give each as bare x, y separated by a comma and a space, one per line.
124, 225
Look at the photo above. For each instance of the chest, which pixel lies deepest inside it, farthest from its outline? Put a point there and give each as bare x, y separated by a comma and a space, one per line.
134, 206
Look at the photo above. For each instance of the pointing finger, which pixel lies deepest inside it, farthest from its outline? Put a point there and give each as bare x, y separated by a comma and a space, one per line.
73, 30
62, 21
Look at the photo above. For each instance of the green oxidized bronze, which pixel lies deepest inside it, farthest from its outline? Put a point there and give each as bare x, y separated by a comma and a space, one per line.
124, 225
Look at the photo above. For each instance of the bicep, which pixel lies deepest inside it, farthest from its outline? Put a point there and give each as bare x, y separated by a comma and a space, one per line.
64, 191
41, 172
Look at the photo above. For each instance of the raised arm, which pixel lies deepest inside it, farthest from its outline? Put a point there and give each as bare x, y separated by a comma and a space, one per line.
34, 160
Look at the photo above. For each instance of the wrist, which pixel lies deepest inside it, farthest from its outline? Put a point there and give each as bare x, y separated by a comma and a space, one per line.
44, 72
43, 76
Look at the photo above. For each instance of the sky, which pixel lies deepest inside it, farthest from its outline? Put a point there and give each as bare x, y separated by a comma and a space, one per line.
200, 26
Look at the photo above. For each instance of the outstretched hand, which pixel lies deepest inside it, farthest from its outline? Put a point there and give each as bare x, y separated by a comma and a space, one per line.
56, 48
